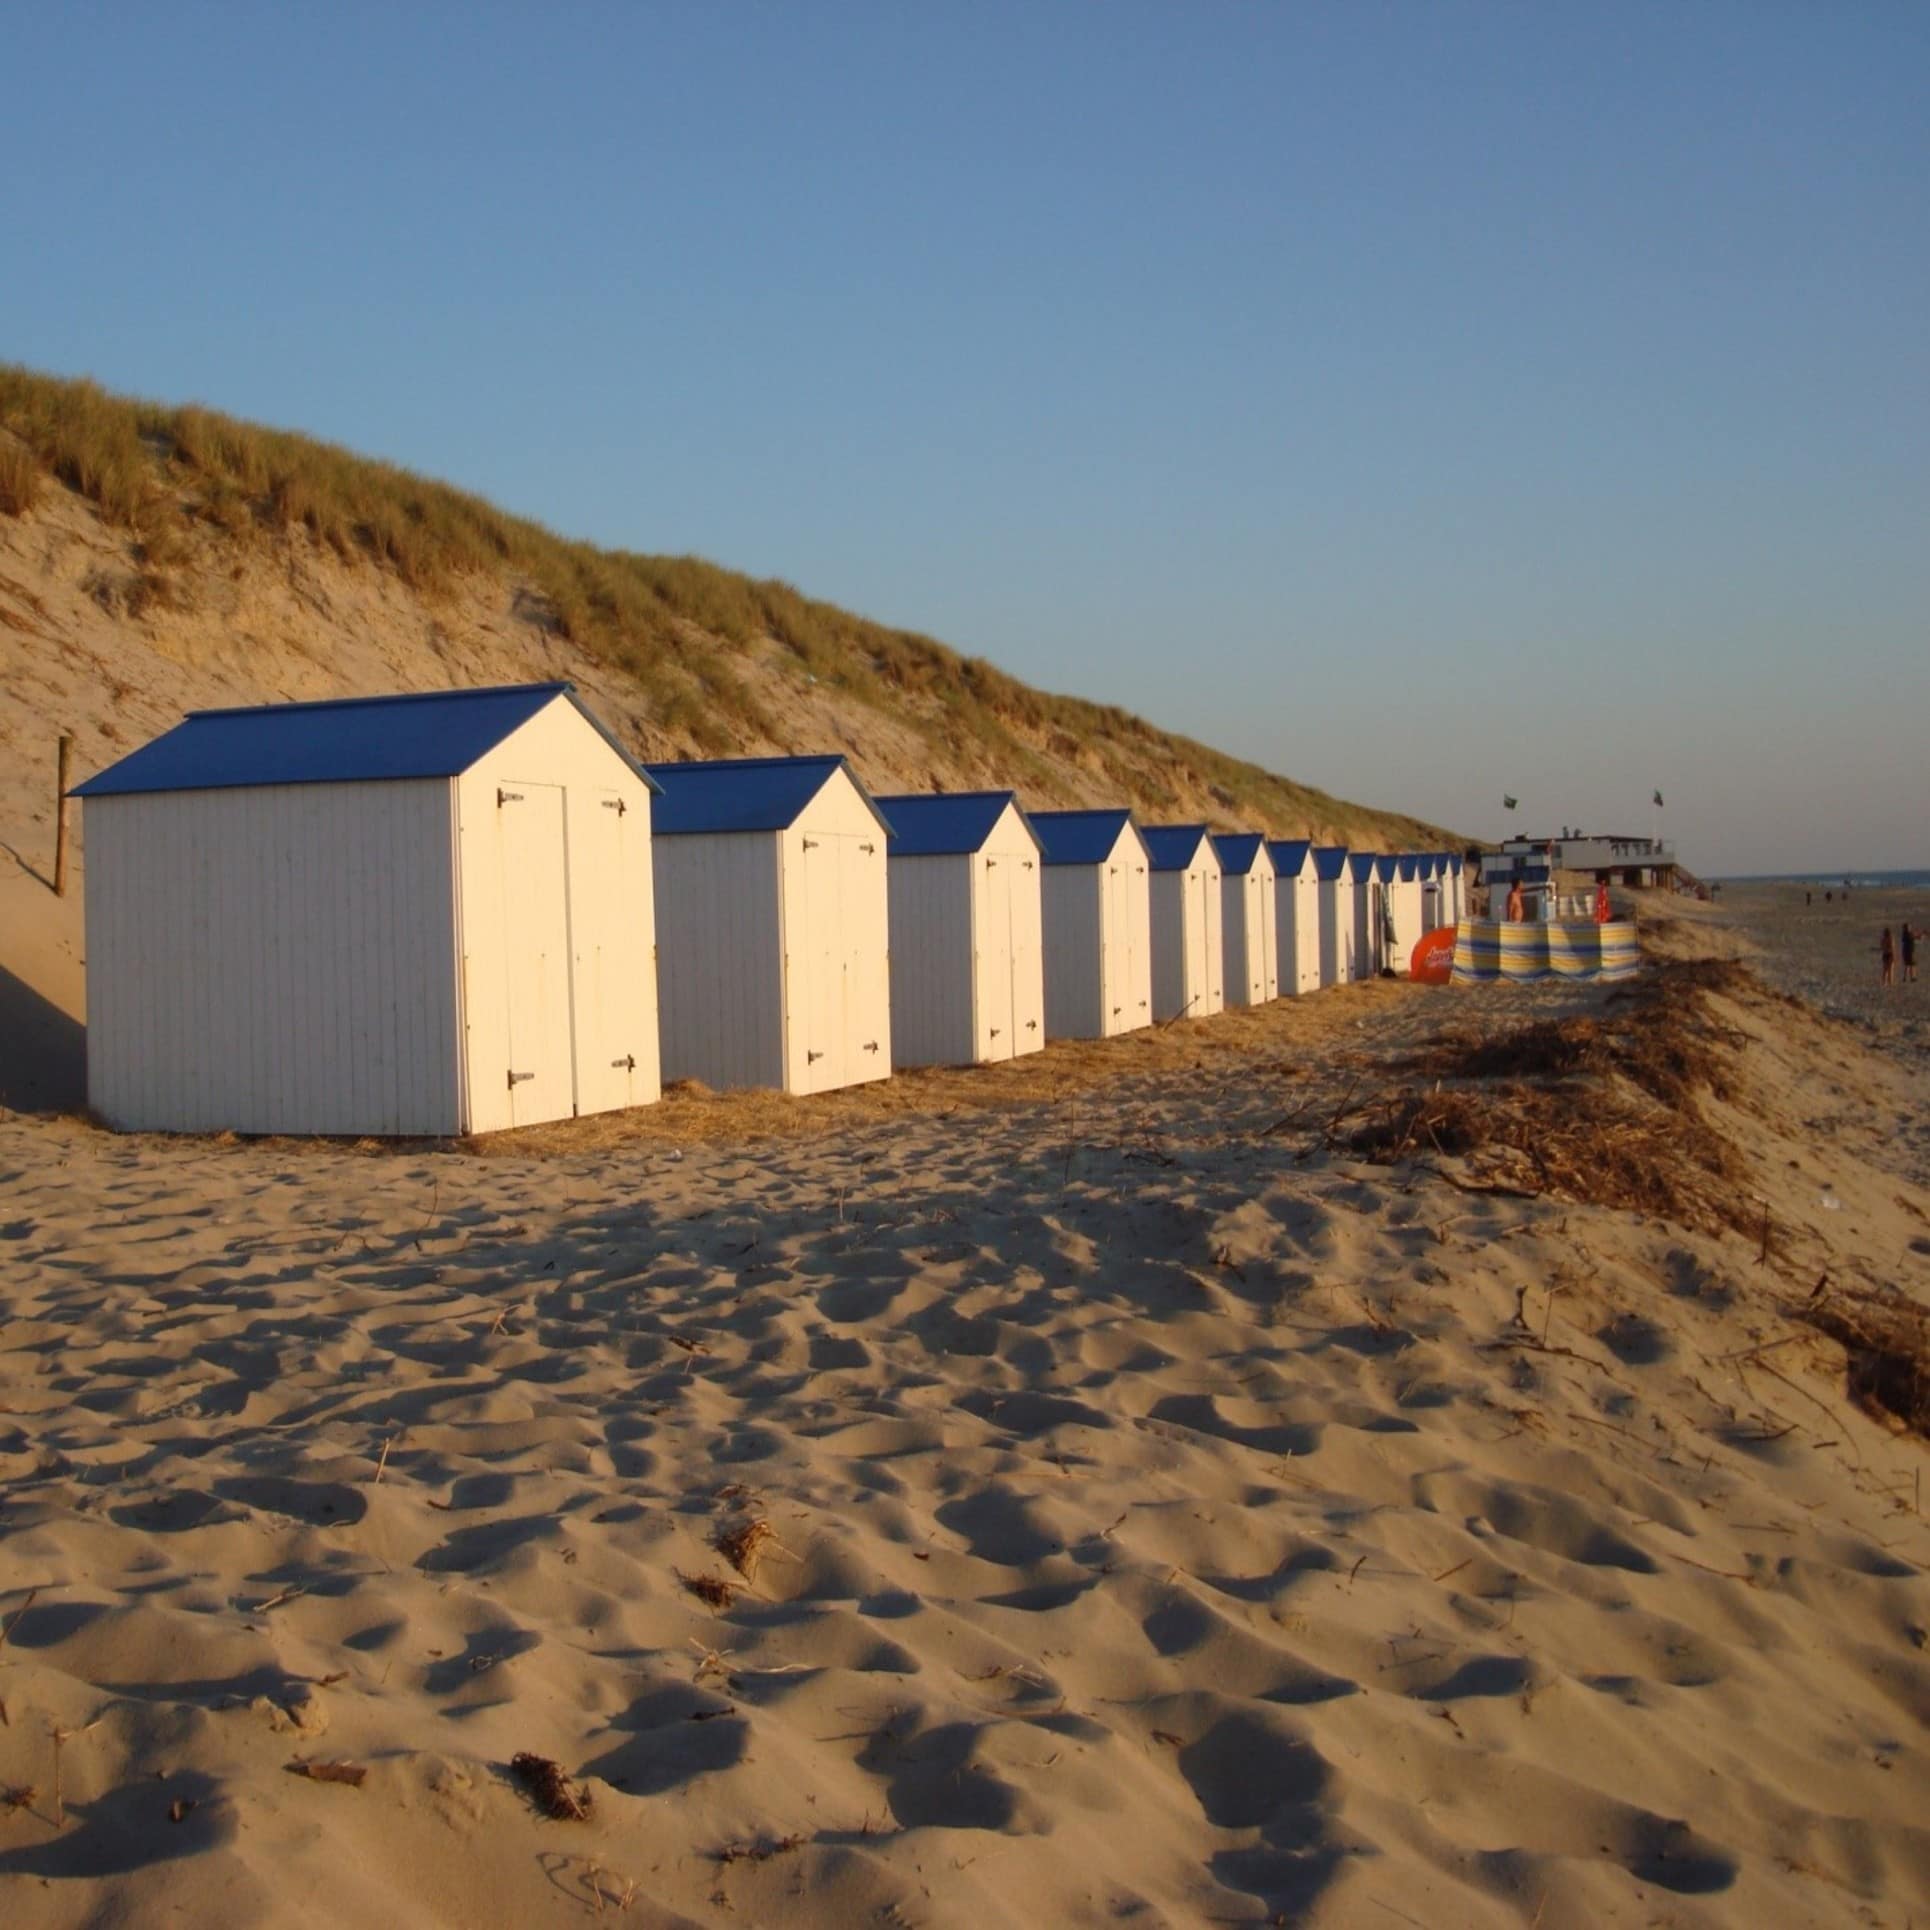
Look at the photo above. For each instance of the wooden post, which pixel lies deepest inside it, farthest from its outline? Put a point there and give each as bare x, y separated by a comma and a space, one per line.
60, 815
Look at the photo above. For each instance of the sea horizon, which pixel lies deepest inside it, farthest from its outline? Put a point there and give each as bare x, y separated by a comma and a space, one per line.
1918, 880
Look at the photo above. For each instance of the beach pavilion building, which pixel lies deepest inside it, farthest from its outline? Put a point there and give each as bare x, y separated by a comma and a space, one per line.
967, 963
1296, 908
772, 924
1249, 936
1336, 902
1187, 913
1097, 923
424, 914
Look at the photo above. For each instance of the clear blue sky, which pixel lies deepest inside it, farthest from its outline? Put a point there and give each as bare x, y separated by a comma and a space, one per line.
1427, 401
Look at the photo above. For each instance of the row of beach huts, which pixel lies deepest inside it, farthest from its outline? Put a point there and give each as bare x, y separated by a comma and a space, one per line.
461, 911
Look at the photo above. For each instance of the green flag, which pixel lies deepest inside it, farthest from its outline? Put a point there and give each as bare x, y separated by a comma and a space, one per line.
1508, 803
1658, 800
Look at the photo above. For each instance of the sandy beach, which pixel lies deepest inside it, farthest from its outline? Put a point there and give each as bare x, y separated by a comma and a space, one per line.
1104, 1494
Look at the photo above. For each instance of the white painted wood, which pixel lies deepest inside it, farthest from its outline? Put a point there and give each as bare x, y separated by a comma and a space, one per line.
1297, 923
277, 959
603, 989
720, 953
1096, 941
1249, 927
932, 965
774, 950
1336, 928
1186, 913
1011, 873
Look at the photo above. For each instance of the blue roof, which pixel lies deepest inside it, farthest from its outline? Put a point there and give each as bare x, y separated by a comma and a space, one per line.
1361, 866
1289, 855
431, 733
744, 793
1386, 869
934, 824
1173, 846
1408, 867
1238, 851
1079, 837
1329, 861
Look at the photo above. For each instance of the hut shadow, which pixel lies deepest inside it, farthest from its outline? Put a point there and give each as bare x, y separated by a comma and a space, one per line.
43, 1051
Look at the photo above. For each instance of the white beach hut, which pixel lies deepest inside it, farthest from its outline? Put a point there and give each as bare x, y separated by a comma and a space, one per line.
1097, 924
967, 965
1364, 949
1406, 907
1296, 905
772, 927
1249, 935
1335, 889
391, 915
1188, 974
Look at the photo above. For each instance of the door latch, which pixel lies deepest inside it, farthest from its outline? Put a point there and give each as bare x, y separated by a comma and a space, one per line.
615, 804
517, 1078
628, 1063
870, 850
507, 797
810, 844
811, 1058
1031, 1025
873, 1046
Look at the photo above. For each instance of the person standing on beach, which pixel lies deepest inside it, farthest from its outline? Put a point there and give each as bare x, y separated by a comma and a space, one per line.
1603, 913
1516, 904
1886, 950
1910, 937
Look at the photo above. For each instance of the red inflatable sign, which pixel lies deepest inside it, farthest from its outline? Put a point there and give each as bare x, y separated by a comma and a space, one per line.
1433, 960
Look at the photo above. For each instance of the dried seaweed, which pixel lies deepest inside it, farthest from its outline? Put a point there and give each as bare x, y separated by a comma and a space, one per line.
714, 1591
550, 1789
1887, 1340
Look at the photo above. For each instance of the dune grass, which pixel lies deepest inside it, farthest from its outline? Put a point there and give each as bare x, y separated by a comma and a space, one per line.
679, 626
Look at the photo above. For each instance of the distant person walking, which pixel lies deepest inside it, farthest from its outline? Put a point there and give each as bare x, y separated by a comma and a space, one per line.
1886, 950
1910, 937
1517, 905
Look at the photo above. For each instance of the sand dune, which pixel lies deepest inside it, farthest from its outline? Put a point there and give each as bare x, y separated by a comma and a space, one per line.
1170, 1519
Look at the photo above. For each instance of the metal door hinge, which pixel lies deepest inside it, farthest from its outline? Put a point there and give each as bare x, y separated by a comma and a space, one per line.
990, 862
873, 1046
517, 1078
1027, 863
811, 1058
615, 804
810, 844
1031, 1025
870, 850
995, 1032
628, 1062
507, 797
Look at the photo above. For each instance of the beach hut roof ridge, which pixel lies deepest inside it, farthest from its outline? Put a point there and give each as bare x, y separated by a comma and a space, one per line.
747, 793
1329, 861
1238, 849
1173, 846
1079, 837
1289, 855
337, 740
938, 824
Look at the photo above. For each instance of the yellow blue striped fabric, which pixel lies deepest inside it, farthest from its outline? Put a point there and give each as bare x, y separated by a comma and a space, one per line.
1488, 949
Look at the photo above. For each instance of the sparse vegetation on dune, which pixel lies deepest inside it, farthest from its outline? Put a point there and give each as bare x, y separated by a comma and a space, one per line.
178, 479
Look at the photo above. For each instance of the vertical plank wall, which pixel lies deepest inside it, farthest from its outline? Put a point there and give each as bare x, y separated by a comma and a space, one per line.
933, 960
275, 959
1010, 865
720, 958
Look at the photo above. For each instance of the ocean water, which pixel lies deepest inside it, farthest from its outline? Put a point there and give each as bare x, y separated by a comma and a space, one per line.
1859, 880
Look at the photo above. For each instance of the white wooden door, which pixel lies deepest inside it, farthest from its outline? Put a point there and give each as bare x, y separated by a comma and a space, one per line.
992, 964
1028, 955
536, 951
819, 950
1116, 976
865, 986
616, 1031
